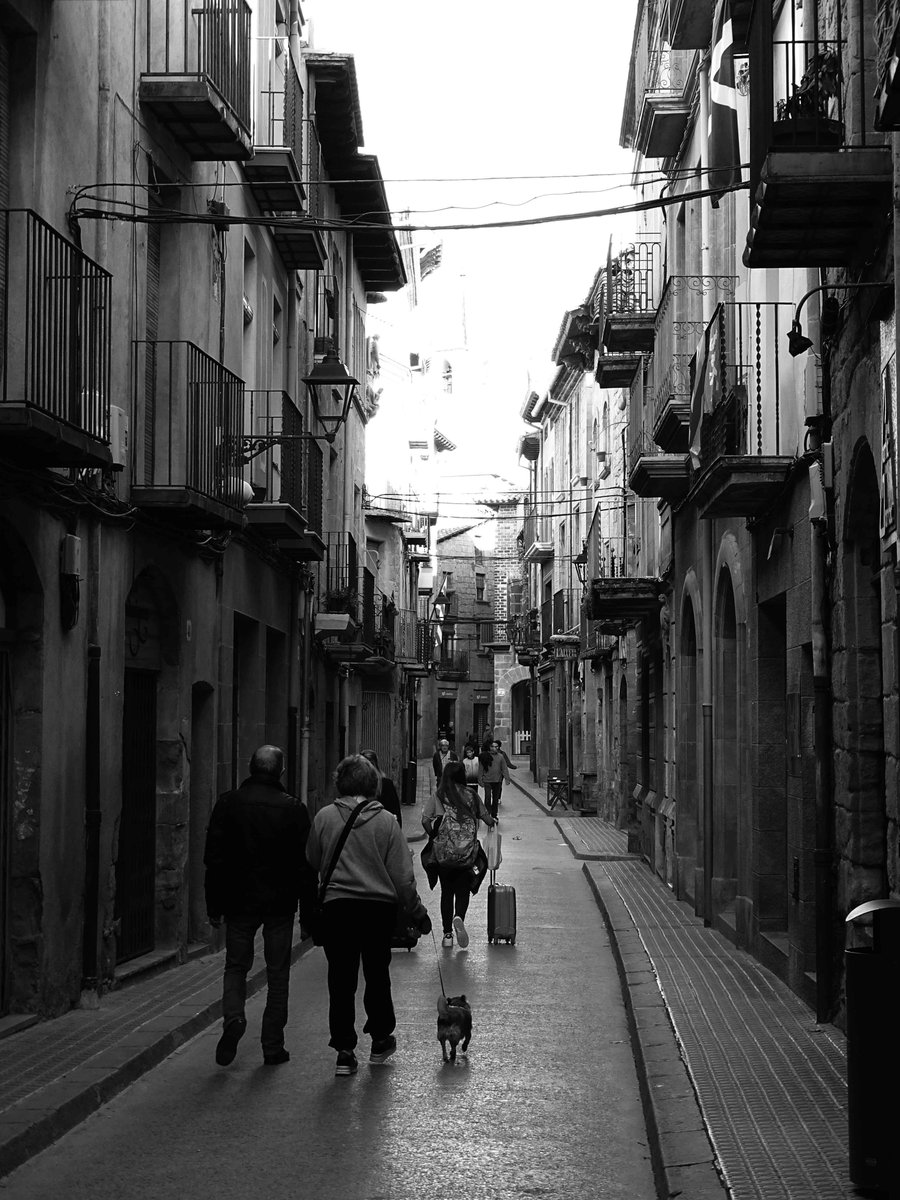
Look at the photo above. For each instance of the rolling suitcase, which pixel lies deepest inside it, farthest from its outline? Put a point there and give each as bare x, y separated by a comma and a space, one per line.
501, 912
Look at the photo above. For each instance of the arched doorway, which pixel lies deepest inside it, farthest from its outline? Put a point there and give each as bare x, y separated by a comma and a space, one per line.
726, 746
860, 731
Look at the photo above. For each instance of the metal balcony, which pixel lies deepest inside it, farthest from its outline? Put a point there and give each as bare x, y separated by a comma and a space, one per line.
821, 185
653, 473
537, 545
453, 666
664, 109
629, 299
282, 477
55, 313
741, 464
615, 596
187, 462
197, 78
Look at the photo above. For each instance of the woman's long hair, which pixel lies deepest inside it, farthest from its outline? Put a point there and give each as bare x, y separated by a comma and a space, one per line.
452, 791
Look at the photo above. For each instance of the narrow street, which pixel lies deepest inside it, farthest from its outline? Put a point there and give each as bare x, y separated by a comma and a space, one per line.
546, 1104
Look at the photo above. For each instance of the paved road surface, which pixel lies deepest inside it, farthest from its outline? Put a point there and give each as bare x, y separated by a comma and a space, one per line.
546, 1105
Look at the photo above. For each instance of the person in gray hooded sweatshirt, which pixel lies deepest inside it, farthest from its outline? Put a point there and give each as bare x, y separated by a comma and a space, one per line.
373, 874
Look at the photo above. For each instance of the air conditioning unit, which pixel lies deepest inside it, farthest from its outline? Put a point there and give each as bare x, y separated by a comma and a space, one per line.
118, 436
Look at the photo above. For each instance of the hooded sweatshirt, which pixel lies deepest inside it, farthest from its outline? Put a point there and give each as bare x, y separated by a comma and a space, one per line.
375, 863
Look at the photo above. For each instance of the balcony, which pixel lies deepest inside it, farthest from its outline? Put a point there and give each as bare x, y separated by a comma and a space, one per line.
454, 665
819, 191
741, 465
285, 153
197, 81
493, 635
616, 370
342, 576
407, 640
615, 596
187, 465
690, 23
55, 305
283, 477
665, 107
652, 473
537, 546
629, 300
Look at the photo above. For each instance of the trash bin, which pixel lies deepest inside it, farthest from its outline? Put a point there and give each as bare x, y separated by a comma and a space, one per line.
872, 980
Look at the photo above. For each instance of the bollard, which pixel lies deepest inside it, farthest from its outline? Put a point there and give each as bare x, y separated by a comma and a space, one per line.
872, 979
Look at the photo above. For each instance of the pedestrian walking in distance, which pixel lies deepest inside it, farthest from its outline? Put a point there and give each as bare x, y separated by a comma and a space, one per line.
387, 792
441, 757
493, 772
257, 875
365, 881
450, 818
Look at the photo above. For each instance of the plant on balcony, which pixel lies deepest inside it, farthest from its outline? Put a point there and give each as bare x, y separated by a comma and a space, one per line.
341, 600
803, 118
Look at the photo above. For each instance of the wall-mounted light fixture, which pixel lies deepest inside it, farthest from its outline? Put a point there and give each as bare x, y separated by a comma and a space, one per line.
331, 387
580, 562
798, 342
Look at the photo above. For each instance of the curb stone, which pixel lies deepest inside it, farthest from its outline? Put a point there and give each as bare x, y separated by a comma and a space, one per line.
684, 1160
40, 1119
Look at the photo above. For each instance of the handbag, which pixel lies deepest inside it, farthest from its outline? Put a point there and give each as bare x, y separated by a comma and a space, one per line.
429, 863
318, 914
478, 870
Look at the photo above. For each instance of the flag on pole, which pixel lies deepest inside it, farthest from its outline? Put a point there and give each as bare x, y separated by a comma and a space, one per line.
698, 389
723, 163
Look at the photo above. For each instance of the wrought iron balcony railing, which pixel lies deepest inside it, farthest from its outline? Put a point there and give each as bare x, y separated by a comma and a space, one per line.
454, 665
342, 586
277, 474
55, 319
192, 412
211, 41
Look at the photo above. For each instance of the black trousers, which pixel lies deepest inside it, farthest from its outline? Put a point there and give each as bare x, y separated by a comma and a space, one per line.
354, 933
456, 891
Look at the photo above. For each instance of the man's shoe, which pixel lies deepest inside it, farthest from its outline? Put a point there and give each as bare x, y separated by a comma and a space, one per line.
462, 934
383, 1049
447, 940
276, 1059
231, 1035
346, 1063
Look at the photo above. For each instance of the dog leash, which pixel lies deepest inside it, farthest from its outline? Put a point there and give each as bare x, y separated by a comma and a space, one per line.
437, 959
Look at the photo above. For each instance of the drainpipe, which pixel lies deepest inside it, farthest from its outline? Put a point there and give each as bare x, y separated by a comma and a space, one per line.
305, 620
90, 979
707, 562
818, 536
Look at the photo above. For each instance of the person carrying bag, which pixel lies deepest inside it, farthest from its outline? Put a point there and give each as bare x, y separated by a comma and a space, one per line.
451, 819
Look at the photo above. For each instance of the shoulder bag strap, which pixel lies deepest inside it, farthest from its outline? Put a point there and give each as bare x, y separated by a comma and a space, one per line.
326, 878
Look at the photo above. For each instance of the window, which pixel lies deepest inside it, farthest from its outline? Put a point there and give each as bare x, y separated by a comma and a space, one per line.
479, 585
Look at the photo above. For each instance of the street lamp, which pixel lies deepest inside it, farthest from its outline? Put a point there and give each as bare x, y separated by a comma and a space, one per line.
330, 386
798, 342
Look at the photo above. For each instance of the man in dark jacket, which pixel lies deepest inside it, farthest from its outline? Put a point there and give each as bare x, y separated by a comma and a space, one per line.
257, 874
441, 757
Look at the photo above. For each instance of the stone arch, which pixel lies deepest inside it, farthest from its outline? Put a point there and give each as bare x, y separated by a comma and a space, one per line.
21, 734
727, 731
860, 801
503, 690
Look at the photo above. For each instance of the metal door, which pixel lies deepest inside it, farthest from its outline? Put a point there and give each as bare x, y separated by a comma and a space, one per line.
376, 727
136, 862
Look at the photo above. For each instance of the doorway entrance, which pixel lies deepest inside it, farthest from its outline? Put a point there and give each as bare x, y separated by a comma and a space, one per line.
136, 861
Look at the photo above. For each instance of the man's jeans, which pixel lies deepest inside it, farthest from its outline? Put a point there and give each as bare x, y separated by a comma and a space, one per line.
278, 935
354, 932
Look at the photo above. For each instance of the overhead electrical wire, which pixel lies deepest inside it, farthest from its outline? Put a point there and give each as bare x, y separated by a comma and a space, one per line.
354, 225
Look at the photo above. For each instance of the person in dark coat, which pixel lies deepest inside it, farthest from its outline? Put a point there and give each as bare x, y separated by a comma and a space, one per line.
257, 875
387, 793
441, 757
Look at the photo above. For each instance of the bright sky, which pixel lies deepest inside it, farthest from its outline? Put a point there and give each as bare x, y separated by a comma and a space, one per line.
474, 88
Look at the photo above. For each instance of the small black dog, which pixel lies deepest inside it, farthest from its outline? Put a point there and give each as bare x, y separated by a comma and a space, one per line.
454, 1025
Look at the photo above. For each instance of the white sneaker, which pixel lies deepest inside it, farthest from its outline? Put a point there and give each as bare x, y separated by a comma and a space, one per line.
447, 940
462, 935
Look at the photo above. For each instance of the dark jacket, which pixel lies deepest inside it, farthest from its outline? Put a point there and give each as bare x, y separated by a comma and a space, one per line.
256, 853
389, 799
438, 766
